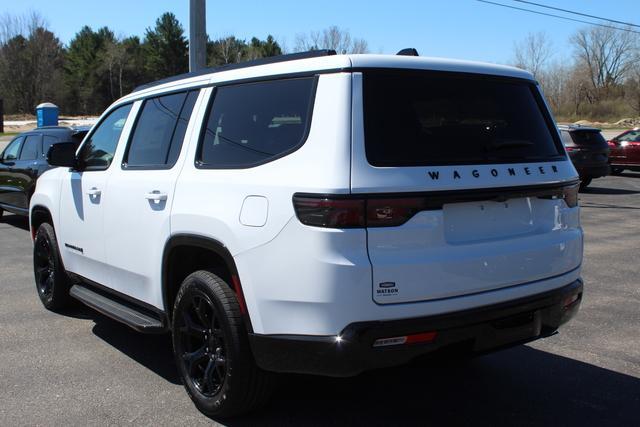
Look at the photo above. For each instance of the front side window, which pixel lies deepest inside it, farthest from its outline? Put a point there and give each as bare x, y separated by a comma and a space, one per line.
159, 131
422, 118
250, 124
98, 150
30, 148
13, 149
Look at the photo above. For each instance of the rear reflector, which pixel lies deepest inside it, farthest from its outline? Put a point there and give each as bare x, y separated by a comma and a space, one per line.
423, 337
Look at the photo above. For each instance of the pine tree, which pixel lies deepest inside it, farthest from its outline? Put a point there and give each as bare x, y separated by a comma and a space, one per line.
166, 48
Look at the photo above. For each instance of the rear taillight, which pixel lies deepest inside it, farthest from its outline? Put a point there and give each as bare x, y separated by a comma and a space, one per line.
330, 212
349, 213
570, 195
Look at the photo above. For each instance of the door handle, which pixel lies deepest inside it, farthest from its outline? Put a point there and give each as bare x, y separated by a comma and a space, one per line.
156, 196
94, 192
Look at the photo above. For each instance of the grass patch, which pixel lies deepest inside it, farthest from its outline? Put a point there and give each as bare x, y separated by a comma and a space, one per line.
8, 133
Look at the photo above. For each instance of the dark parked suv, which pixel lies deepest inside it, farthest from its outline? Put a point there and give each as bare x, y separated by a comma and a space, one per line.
588, 151
24, 160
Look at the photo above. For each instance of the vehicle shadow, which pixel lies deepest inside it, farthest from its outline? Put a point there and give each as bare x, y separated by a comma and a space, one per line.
155, 352
520, 386
17, 221
630, 174
608, 191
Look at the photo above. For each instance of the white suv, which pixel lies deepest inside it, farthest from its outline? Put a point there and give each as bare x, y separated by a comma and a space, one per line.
316, 213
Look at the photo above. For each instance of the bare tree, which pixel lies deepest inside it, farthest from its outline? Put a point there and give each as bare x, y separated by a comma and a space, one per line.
334, 38
533, 53
606, 54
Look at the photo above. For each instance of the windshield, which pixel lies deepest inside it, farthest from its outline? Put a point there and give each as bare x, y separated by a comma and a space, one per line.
434, 118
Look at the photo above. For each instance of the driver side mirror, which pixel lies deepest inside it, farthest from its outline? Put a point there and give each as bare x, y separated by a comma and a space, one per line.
63, 154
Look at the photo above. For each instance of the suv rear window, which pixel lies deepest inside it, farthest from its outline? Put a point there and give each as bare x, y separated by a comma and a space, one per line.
435, 118
588, 137
254, 123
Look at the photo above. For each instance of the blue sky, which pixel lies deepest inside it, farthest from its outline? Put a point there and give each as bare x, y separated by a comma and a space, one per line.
463, 29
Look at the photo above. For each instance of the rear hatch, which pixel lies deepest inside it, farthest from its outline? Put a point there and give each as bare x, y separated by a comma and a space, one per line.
587, 147
466, 183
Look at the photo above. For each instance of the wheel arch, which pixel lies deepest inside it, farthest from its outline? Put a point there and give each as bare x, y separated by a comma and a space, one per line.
39, 214
198, 252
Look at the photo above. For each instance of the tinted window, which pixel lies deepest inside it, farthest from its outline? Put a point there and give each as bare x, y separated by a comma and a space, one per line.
30, 148
250, 124
47, 142
97, 151
13, 149
159, 131
427, 118
590, 137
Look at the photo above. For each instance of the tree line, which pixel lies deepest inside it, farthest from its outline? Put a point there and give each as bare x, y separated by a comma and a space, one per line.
599, 79
97, 67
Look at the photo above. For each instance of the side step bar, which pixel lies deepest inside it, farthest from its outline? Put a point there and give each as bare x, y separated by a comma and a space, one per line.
126, 314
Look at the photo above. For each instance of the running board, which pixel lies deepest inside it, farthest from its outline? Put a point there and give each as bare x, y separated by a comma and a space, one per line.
116, 310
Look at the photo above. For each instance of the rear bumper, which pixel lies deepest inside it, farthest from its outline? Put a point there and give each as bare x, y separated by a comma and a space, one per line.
483, 329
595, 171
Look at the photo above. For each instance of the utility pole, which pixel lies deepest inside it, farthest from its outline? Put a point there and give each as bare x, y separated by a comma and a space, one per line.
197, 35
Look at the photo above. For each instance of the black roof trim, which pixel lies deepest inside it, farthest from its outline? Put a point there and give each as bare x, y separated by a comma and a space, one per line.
246, 64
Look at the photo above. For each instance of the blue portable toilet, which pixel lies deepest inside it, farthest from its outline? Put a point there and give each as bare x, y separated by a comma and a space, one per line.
47, 114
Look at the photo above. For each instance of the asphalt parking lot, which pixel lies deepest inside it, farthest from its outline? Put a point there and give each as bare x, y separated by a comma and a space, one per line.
84, 369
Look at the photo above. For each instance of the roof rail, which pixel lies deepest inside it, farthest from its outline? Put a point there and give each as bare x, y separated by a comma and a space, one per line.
245, 64
410, 51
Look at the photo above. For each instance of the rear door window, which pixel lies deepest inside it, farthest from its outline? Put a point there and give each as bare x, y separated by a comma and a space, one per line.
254, 123
47, 142
435, 118
159, 131
30, 147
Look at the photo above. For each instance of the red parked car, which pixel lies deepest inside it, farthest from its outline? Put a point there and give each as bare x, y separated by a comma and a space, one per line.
625, 151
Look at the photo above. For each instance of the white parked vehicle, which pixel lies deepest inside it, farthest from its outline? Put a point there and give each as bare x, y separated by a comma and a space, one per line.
316, 213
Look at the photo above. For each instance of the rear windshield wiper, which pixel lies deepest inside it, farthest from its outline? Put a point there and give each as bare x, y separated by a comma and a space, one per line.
508, 143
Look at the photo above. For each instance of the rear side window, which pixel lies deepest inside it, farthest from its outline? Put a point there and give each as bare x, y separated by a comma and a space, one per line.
434, 118
30, 148
590, 137
159, 131
251, 124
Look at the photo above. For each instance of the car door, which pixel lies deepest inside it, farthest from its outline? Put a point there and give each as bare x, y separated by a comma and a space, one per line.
8, 160
83, 198
137, 216
25, 170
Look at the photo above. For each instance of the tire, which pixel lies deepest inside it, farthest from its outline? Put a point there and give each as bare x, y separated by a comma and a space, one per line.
616, 170
212, 350
51, 278
1, 212
584, 183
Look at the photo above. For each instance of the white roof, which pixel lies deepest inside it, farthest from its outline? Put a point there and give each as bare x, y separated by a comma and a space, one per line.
47, 105
337, 63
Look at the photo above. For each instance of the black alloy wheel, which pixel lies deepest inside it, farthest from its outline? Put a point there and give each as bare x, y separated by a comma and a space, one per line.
212, 350
51, 278
44, 268
201, 344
